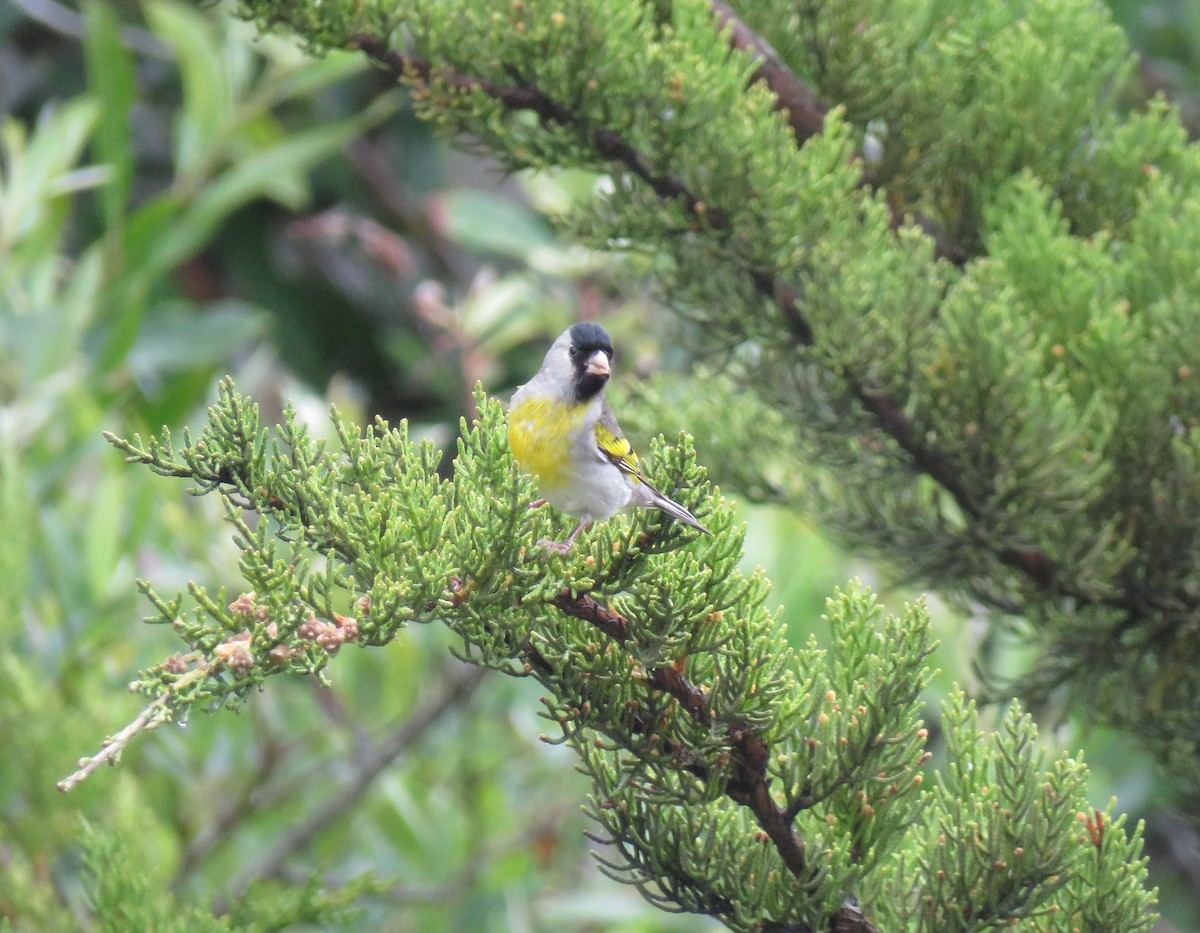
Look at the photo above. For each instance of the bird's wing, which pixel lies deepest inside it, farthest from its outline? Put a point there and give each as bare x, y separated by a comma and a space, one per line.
617, 450
613, 445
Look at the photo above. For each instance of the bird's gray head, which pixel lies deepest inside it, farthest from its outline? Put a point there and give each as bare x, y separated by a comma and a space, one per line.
581, 358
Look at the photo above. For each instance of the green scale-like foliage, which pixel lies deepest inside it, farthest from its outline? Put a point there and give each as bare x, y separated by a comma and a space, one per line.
126, 893
970, 287
732, 775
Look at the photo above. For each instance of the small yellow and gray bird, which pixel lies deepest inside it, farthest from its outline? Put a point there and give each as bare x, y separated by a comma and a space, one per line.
562, 430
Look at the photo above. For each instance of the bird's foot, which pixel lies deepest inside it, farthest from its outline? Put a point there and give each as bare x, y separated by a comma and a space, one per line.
563, 547
538, 503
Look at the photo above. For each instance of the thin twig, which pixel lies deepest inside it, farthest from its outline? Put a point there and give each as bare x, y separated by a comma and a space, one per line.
157, 712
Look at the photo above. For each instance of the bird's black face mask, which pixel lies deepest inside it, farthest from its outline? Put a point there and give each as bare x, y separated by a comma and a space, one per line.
591, 357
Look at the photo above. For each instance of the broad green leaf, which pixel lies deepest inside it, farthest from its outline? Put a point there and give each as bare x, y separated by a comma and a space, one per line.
484, 222
185, 337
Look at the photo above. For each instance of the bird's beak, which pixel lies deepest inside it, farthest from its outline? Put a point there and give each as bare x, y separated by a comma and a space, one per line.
597, 364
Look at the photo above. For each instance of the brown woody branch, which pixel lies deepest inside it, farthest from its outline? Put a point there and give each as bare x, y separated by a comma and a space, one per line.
805, 111
608, 143
806, 115
748, 784
611, 623
803, 108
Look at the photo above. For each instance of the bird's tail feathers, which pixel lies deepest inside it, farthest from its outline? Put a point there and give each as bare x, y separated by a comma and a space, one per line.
653, 497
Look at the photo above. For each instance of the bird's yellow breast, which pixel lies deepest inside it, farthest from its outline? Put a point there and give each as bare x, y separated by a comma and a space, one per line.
540, 433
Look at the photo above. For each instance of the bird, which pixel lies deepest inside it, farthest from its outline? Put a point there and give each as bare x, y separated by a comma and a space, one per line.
562, 430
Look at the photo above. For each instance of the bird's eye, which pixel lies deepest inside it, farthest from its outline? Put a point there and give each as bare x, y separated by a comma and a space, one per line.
574, 351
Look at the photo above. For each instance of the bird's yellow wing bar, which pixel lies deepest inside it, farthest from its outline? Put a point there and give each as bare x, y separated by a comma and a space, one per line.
614, 446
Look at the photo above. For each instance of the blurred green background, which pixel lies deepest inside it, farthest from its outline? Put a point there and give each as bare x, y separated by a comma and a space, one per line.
180, 199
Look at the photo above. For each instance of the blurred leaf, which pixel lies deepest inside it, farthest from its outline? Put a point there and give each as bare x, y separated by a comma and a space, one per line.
207, 97
16, 515
497, 305
260, 175
259, 132
180, 349
111, 75
32, 163
485, 222
78, 300
558, 191
124, 303
284, 84
176, 399
182, 338
80, 179
148, 225
103, 541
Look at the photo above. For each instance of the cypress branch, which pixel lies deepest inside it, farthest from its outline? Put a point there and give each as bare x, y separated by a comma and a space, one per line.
953, 381
733, 776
